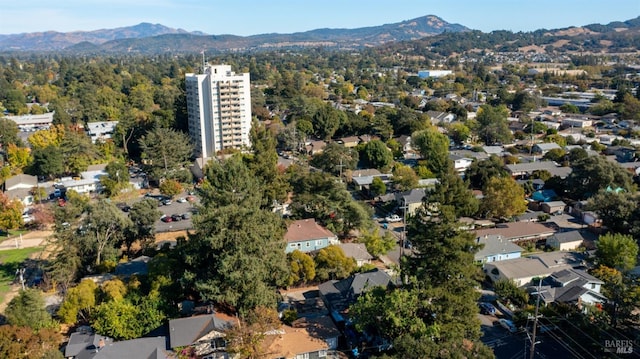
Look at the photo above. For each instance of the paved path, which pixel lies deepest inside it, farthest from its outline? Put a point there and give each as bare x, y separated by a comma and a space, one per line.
30, 239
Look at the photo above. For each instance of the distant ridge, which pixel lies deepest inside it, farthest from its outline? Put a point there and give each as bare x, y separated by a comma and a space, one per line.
146, 38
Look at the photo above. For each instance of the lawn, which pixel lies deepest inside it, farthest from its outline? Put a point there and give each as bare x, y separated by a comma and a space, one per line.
10, 260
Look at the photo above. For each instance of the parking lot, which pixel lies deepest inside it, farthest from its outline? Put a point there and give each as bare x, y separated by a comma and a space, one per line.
176, 208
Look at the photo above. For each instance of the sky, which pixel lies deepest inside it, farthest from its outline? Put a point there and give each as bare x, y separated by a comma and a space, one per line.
252, 17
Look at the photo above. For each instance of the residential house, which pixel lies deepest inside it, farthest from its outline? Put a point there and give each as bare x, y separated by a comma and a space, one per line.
85, 345
296, 343
543, 148
204, 333
493, 150
438, 117
526, 169
20, 187
136, 266
357, 251
32, 122
566, 241
339, 294
405, 142
101, 131
460, 163
495, 248
523, 270
306, 235
553, 207
572, 286
316, 147
518, 231
362, 179
576, 122
409, 201
350, 142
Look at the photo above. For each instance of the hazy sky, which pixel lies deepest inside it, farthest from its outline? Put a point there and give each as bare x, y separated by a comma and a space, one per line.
250, 17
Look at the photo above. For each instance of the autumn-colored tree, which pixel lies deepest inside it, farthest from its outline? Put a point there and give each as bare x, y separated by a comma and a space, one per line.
10, 213
302, 268
377, 244
79, 301
170, 187
404, 177
332, 263
18, 157
45, 138
24, 342
503, 198
246, 339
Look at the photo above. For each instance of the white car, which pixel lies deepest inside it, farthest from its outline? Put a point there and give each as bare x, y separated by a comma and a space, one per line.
393, 218
508, 325
182, 200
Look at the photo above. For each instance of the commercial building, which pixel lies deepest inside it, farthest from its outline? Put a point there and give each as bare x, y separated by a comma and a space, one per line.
219, 109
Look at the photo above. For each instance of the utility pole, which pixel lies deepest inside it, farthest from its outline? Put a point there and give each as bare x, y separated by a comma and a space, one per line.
535, 322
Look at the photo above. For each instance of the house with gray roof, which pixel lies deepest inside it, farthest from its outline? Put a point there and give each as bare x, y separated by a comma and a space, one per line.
204, 333
543, 148
339, 294
83, 345
410, 200
496, 248
572, 286
523, 270
526, 169
493, 150
357, 251
565, 241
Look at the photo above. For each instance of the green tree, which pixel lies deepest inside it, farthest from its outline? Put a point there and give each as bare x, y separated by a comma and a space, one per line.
377, 155
332, 263
434, 148
9, 133
617, 251
594, 173
556, 154
28, 310
103, 228
503, 198
143, 215
452, 191
378, 187
335, 159
47, 161
377, 244
404, 177
236, 257
165, 152
302, 268
459, 132
480, 172
493, 126
170, 187
327, 120
117, 319
617, 210
509, 292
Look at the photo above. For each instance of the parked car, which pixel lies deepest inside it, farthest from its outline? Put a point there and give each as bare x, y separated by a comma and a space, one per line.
508, 325
186, 215
166, 219
176, 217
393, 218
487, 308
167, 202
182, 200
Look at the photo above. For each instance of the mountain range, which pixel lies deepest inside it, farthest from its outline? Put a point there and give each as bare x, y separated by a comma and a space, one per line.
146, 38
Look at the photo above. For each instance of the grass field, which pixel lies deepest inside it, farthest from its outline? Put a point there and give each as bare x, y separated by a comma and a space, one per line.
10, 260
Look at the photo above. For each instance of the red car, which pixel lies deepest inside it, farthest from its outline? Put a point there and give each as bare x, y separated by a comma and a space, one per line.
166, 219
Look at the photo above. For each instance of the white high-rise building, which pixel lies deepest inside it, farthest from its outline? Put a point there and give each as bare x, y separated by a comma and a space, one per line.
219, 108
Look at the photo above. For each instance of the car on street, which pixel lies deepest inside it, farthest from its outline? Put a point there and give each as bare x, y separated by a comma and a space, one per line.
508, 325
487, 308
393, 218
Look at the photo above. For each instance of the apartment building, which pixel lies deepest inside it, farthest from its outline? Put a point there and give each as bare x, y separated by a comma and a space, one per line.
219, 109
